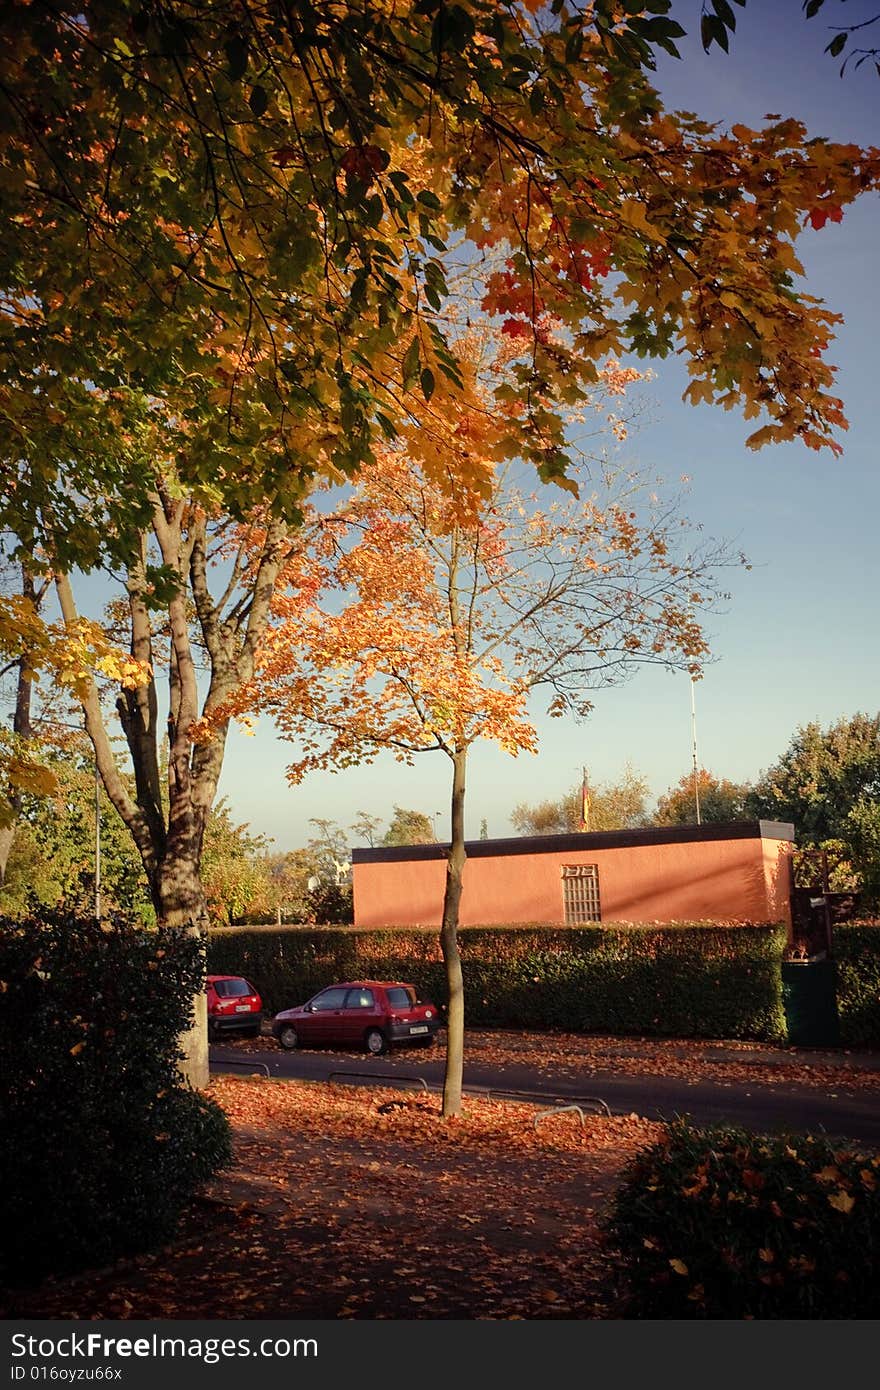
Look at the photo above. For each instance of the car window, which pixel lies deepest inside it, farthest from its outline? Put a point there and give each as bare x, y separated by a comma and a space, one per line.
232, 989
329, 999
399, 997
360, 999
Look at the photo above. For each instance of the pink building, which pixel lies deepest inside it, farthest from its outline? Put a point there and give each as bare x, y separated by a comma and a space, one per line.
737, 872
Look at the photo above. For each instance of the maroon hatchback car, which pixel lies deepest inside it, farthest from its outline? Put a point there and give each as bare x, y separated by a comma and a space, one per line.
373, 1014
233, 1005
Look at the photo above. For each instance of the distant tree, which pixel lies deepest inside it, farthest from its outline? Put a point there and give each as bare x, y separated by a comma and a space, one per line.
52, 856
234, 872
827, 783
720, 800
331, 851
615, 805
409, 828
367, 826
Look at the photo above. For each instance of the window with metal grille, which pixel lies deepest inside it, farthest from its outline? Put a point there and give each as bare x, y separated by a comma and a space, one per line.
580, 893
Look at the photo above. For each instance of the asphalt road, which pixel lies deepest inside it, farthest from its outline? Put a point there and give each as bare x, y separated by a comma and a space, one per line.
754, 1105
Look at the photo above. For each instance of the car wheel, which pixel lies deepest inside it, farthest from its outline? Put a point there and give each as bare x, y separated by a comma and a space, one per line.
375, 1042
288, 1038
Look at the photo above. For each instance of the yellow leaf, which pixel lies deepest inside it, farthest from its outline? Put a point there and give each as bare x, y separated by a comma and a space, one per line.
77, 1049
841, 1201
679, 1266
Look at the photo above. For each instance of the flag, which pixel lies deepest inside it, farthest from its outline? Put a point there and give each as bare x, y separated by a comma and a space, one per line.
585, 803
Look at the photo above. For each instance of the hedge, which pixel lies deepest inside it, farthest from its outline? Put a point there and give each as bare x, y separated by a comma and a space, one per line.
101, 1145
857, 952
678, 981
721, 1223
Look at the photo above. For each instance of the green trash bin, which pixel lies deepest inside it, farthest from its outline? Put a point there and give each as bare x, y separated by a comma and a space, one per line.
809, 996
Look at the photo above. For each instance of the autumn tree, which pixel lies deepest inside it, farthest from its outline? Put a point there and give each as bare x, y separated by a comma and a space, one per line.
230, 233
250, 209
719, 800
433, 632
619, 804
232, 869
409, 828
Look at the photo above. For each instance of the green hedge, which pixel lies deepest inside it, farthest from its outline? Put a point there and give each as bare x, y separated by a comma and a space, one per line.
857, 952
101, 1146
677, 981
720, 1223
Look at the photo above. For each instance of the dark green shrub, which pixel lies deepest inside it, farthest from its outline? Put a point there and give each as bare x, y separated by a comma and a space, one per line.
679, 981
720, 1223
857, 952
100, 1144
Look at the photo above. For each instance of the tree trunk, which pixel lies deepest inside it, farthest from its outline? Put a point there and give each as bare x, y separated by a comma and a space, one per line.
180, 903
452, 1082
21, 725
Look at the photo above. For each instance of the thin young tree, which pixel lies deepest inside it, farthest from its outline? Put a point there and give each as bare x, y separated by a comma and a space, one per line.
435, 626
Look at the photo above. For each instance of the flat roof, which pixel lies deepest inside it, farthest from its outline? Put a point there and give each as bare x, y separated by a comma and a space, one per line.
585, 840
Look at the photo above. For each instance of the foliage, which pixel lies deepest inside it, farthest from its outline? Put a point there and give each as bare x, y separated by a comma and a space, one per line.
409, 828
52, 860
233, 872
310, 182
827, 783
684, 981
613, 805
718, 24
101, 1147
721, 1223
857, 955
720, 800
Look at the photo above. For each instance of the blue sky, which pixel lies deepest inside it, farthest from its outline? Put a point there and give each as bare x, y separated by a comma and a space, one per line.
798, 639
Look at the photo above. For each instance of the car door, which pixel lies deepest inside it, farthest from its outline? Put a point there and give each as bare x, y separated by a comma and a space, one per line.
323, 1019
359, 1013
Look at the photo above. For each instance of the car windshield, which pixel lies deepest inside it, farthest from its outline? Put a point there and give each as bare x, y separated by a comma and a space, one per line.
231, 989
399, 997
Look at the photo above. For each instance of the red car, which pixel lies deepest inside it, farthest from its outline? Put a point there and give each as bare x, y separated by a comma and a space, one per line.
373, 1014
233, 1005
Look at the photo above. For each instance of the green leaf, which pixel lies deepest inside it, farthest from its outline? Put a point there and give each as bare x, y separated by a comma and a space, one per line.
236, 50
411, 362
812, 7
258, 101
427, 383
836, 45
724, 13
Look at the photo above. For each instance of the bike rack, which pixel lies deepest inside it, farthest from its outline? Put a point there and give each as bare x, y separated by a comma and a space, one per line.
392, 1076
252, 1066
557, 1104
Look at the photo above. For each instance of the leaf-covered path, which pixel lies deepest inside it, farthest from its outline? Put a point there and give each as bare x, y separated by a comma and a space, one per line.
350, 1203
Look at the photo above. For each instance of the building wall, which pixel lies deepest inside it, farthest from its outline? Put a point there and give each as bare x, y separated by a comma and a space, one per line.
720, 880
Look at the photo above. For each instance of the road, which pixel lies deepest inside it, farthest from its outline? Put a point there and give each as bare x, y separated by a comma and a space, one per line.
754, 1105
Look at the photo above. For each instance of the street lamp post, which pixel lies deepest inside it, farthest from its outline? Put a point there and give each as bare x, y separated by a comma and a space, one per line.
696, 760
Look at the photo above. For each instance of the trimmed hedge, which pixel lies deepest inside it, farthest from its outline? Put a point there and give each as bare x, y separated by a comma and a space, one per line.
678, 981
721, 1223
857, 953
101, 1145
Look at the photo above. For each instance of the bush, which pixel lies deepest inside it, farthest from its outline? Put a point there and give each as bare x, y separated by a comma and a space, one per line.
101, 1146
857, 953
720, 1223
684, 981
